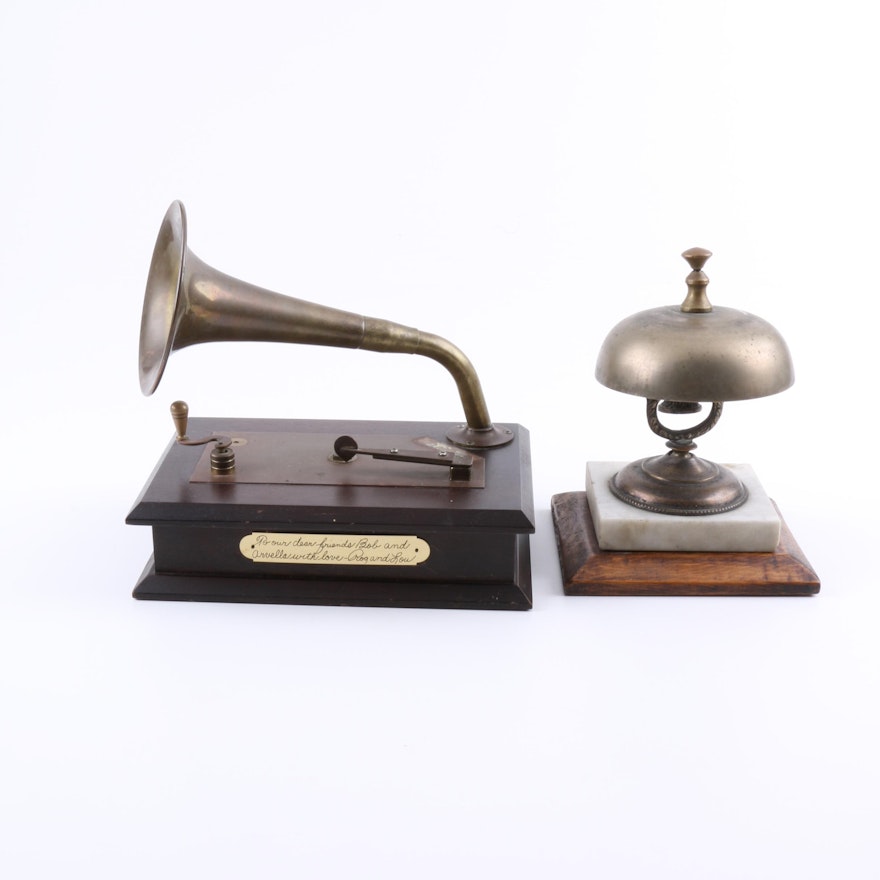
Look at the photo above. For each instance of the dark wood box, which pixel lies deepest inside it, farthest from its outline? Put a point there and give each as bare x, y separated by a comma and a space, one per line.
478, 534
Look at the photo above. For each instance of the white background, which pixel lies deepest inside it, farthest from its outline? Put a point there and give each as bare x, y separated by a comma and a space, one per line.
516, 177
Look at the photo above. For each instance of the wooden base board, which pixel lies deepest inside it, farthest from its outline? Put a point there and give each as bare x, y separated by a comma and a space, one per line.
587, 570
514, 594
477, 531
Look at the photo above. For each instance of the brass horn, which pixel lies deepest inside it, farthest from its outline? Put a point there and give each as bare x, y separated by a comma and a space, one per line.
188, 302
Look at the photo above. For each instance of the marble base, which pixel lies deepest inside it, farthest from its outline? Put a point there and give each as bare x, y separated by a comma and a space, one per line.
753, 527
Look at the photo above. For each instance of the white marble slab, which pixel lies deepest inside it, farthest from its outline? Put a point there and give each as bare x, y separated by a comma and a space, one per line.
755, 526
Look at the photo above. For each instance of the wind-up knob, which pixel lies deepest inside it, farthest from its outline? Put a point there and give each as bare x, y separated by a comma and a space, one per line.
180, 417
222, 455
697, 300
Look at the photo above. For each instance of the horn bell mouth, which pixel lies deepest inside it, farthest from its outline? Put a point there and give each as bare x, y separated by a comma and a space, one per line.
160, 313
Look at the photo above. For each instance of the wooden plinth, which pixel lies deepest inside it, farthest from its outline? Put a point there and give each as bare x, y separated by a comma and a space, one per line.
477, 531
513, 593
587, 570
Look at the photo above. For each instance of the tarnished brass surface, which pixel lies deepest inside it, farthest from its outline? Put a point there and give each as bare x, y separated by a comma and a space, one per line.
278, 458
457, 463
180, 417
679, 482
188, 302
695, 352
697, 299
222, 455
677, 357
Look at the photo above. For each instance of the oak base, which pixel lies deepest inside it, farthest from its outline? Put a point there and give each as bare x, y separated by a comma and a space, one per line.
587, 570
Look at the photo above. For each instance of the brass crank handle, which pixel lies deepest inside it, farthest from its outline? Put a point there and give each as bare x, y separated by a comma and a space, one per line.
180, 417
222, 455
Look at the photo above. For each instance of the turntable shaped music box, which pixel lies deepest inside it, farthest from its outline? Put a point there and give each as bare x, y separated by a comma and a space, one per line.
409, 514
677, 524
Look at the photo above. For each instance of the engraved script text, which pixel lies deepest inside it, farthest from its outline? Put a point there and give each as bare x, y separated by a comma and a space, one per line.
305, 549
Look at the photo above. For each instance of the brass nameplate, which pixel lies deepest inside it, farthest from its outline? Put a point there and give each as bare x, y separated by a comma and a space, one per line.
307, 549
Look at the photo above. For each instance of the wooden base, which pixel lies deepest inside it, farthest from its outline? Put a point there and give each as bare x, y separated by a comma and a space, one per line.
286, 487
587, 570
512, 595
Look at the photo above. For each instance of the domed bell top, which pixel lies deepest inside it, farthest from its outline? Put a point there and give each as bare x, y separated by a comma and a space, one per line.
695, 352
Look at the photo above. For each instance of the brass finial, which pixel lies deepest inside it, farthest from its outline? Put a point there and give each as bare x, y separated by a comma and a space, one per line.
697, 300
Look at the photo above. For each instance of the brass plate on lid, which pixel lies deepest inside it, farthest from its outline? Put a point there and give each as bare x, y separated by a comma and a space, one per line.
307, 460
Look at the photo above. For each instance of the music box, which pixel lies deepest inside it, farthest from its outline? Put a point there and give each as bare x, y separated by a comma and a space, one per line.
678, 524
396, 513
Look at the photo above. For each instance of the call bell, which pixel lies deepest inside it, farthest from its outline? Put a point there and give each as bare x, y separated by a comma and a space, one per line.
677, 523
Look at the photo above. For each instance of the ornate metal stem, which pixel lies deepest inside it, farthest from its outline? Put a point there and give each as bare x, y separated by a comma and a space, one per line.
678, 438
679, 482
